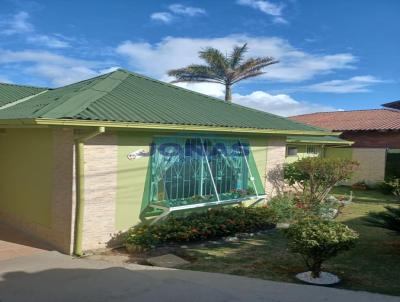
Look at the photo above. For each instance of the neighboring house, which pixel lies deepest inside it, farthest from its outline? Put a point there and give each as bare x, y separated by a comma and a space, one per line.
376, 137
82, 162
299, 147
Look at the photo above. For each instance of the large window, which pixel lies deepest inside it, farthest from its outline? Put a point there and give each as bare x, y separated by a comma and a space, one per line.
201, 169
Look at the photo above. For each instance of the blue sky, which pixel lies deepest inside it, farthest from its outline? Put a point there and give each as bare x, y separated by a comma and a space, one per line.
334, 55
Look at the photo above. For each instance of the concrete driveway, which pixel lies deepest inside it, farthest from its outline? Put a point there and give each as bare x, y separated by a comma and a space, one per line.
14, 243
54, 277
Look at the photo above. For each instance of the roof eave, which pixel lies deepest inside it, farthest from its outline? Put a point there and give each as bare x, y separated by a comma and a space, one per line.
155, 126
321, 142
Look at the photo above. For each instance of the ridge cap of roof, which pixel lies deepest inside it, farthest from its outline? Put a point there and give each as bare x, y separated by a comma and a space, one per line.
24, 86
57, 111
340, 111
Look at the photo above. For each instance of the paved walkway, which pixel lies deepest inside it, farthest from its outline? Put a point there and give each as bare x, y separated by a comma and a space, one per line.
53, 277
14, 243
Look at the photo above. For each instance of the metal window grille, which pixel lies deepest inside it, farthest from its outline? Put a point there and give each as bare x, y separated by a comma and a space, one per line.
199, 169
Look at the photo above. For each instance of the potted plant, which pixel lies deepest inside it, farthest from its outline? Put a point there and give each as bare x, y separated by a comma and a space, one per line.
318, 240
361, 185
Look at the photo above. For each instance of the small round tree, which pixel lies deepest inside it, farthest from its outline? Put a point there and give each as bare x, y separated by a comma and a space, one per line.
318, 240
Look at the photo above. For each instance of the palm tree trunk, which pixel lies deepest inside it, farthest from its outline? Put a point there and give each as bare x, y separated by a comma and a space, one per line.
228, 93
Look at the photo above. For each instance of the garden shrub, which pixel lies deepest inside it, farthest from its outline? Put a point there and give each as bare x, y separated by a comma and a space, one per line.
214, 223
391, 186
314, 177
319, 240
284, 207
389, 219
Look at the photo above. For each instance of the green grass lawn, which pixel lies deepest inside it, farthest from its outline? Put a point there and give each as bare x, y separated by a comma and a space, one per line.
373, 265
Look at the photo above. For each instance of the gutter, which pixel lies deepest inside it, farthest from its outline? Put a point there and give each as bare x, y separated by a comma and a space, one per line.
80, 188
44, 122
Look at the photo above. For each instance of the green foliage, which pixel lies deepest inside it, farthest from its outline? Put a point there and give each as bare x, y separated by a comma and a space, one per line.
285, 208
214, 223
314, 177
389, 219
319, 240
391, 186
223, 69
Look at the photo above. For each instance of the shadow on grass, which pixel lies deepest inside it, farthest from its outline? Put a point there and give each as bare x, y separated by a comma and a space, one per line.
372, 265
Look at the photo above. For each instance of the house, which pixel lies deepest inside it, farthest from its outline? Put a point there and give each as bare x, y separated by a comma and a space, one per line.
376, 137
299, 147
82, 162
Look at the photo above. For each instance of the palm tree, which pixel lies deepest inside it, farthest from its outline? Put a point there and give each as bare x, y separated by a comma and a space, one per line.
223, 69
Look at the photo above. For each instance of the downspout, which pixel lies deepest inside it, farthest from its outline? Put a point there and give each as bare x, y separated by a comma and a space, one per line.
80, 187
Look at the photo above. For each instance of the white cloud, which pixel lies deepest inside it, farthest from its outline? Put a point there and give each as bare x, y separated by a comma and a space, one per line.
4, 79
61, 75
190, 11
57, 69
280, 104
163, 17
49, 41
173, 52
17, 24
176, 10
354, 84
267, 7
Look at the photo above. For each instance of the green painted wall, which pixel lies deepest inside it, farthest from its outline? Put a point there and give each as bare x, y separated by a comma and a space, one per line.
132, 174
131, 178
346, 153
259, 151
26, 174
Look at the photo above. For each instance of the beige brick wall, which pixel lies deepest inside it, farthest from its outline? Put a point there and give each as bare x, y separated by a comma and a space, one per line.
58, 235
372, 165
276, 153
100, 191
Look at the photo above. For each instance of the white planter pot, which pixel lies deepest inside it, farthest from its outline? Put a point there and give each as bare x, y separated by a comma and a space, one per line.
324, 278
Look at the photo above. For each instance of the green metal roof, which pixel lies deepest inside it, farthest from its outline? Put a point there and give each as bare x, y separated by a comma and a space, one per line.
326, 140
10, 93
122, 96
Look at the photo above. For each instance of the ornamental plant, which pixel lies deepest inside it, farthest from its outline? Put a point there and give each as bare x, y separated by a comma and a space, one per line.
284, 207
389, 219
314, 177
318, 240
211, 224
391, 186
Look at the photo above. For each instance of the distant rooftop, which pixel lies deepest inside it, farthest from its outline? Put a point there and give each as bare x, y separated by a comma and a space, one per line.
375, 119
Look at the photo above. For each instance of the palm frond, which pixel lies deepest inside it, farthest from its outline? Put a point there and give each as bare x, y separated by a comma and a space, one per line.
215, 59
237, 55
195, 73
247, 75
256, 63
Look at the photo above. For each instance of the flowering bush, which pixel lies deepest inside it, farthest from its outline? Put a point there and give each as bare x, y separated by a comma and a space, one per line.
214, 223
319, 240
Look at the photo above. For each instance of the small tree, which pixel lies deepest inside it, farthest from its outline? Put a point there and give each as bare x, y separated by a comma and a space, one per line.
319, 240
389, 219
314, 177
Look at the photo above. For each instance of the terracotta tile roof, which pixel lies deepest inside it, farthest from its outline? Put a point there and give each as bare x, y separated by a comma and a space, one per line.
375, 119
